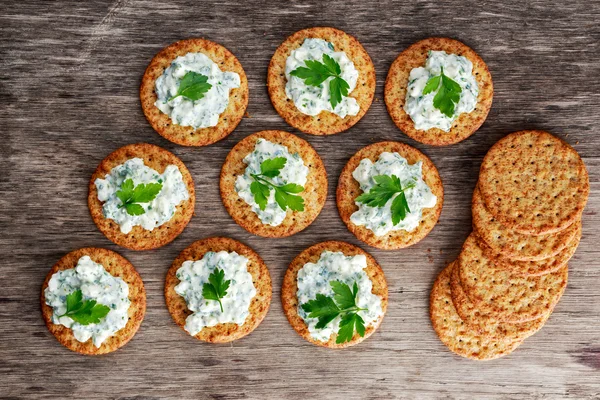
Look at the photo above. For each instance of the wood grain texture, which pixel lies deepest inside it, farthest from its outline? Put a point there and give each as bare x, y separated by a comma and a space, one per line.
69, 78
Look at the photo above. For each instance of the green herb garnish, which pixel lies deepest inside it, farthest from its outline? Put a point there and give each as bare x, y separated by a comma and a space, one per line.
142, 193
84, 312
448, 93
284, 195
315, 73
216, 288
343, 303
386, 187
193, 86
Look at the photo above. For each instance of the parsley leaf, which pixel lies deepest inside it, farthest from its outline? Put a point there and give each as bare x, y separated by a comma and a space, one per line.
285, 195
385, 188
84, 312
216, 288
448, 93
193, 86
343, 303
142, 193
315, 73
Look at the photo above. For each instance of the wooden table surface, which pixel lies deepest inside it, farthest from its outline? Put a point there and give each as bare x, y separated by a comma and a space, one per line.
69, 78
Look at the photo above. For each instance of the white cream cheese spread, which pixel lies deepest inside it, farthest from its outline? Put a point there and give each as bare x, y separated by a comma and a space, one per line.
205, 313
294, 171
97, 284
419, 196
420, 107
311, 100
316, 278
202, 113
157, 211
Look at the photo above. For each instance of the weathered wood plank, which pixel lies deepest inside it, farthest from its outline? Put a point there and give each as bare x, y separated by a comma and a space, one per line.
69, 75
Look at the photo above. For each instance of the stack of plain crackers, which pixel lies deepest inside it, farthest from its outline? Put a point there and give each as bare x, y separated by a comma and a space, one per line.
512, 269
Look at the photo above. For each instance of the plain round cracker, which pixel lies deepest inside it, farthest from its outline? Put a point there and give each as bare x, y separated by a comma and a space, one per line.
139, 238
455, 334
259, 305
515, 245
504, 296
188, 135
483, 322
348, 189
533, 268
289, 299
397, 82
117, 266
314, 194
325, 123
534, 183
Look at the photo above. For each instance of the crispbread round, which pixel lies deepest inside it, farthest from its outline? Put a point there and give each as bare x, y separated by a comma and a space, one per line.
117, 266
397, 82
221, 333
139, 238
348, 189
483, 322
458, 336
533, 268
289, 300
314, 194
504, 296
188, 135
325, 123
534, 183
515, 245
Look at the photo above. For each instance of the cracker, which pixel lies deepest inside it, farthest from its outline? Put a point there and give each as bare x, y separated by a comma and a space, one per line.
458, 336
483, 322
515, 245
325, 123
397, 82
117, 266
348, 189
188, 135
534, 268
504, 296
289, 300
139, 238
314, 194
221, 333
534, 182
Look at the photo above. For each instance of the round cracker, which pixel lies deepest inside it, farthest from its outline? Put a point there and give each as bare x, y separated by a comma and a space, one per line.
348, 189
515, 245
139, 238
314, 194
289, 299
325, 123
397, 82
483, 322
117, 266
533, 268
188, 135
534, 183
259, 306
504, 296
458, 336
